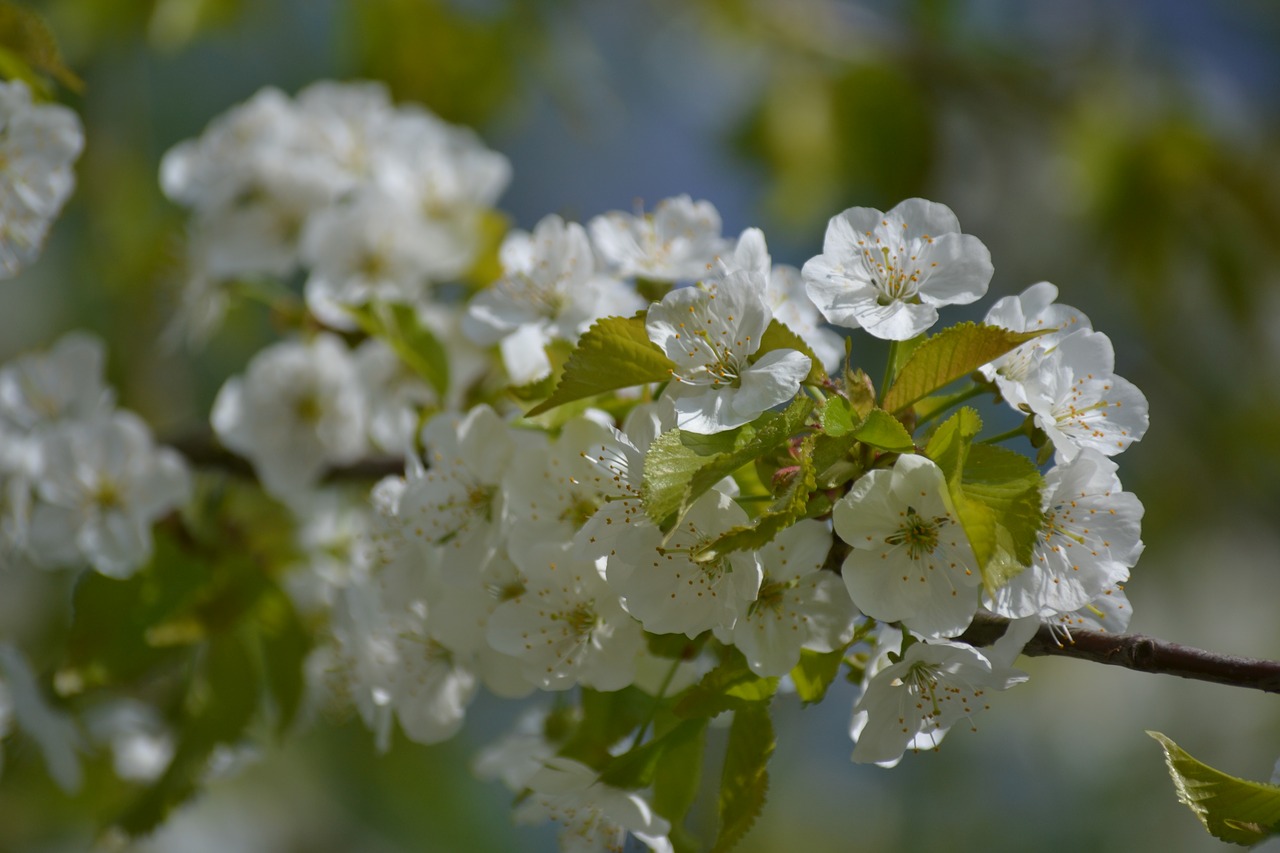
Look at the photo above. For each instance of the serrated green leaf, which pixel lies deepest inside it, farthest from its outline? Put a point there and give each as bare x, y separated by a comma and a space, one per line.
30, 47
815, 672
882, 430
1001, 491
778, 336
1233, 810
744, 781
727, 687
996, 494
947, 356
678, 774
780, 514
398, 326
949, 445
838, 417
614, 353
636, 767
680, 466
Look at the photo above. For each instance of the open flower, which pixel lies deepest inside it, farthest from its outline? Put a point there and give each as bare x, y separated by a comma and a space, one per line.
888, 273
712, 336
910, 559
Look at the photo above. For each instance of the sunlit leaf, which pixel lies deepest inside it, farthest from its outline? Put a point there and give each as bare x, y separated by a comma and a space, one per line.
1234, 810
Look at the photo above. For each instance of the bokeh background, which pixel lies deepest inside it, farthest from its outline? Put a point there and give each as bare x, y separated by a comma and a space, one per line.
1125, 151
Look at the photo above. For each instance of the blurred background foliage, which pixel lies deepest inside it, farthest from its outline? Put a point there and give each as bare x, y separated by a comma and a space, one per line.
1125, 151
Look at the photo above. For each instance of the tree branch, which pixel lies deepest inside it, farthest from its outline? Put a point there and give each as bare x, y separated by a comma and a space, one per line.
1136, 652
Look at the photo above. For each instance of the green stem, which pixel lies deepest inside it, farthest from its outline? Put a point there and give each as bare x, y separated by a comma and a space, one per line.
951, 401
657, 702
1019, 430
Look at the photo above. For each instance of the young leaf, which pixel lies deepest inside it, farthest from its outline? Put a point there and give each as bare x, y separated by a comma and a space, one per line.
1234, 810
838, 417
781, 514
947, 356
745, 778
949, 446
728, 687
398, 327
636, 767
882, 430
814, 673
777, 336
681, 466
1001, 491
614, 353
677, 775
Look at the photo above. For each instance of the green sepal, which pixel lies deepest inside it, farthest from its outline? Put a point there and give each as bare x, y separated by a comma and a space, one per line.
778, 336
947, 356
614, 353
744, 781
680, 466
399, 327
1233, 810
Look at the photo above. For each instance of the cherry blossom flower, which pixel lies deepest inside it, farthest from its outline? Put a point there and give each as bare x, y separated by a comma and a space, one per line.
101, 485
297, 410
679, 240
38, 143
910, 559
913, 703
1079, 402
799, 606
888, 273
1089, 542
1030, 311
568, 626
549, 290
711, 337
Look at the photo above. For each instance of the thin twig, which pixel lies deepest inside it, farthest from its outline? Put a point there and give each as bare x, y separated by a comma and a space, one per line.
1136, 652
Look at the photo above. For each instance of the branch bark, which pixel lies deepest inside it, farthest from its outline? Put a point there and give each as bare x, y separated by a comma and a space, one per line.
1137, 652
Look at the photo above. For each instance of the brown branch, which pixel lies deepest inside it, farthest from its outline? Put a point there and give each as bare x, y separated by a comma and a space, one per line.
1136, 652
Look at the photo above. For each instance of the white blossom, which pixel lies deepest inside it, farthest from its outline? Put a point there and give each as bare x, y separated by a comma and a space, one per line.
1033, 310
54, 731
38, 143
799, 605
711, 337
910, 560
101, 485
679, 240
912, 704
297, 411
1089, 541
888, 273
1079, 402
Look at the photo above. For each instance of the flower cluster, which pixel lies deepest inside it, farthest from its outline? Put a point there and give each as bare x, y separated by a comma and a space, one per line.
637, 467
80, 480
38, 144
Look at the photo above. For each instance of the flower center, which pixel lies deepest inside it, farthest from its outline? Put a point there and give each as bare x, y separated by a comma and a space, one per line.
918, 533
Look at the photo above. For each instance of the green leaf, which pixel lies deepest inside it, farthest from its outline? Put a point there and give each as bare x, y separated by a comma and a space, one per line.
946, 357
398, 327
815, 672
780, 514
636, 768
284, 644
1001, 495
29, 48
1233, 810
606, 719
837, 417
730, 686
680, 466
949, 445
745, 778
882, 430
777, 336
996, 493
614, 353
678, 774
